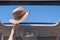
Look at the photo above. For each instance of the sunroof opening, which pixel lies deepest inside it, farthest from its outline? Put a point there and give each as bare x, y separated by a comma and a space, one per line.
37, 14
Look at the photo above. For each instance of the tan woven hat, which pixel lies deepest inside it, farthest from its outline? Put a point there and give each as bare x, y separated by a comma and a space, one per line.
19, 15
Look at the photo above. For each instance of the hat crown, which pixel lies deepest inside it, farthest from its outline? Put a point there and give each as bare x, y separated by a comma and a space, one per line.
19, 8
18, 12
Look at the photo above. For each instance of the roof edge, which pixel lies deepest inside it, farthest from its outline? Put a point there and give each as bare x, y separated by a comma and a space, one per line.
32, 23
35, 24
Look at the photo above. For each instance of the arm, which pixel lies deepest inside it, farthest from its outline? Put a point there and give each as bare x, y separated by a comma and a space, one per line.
12, 35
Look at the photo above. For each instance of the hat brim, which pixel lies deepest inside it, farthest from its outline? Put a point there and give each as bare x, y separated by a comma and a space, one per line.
21, 20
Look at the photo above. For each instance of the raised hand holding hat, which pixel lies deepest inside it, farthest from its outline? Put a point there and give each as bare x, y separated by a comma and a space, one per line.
19, 15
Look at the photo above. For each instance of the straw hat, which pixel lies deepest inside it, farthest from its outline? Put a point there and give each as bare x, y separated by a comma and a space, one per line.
19, 15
